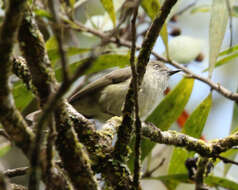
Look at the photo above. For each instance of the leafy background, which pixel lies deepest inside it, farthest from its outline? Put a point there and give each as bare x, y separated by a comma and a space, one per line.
213, 114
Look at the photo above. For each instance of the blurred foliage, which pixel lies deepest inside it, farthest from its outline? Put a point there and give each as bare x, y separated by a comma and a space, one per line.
103, 16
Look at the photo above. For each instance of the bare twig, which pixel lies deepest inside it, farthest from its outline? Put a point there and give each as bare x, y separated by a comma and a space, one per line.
216, 86
50, 149
227, 161
150, 172
4, 134
228, 4
58, 35
16, 172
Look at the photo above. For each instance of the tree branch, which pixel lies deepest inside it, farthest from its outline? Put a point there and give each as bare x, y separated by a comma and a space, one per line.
10, 117
33, 47
200, 173
134, 82
125, 130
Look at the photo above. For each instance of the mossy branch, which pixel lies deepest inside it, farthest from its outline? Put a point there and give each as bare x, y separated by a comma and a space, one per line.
125, 130
10, 117
33, 48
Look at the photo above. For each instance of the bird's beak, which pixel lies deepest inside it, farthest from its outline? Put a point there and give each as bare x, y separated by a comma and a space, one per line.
174, 72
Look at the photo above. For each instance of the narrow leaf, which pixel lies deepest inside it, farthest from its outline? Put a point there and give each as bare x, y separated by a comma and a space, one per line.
234, 123
224, 60
168, 110
231, 154
197, 120
101, 63
22, 96
71, 51
201, 9
229, 50
172, 105
215, 181
43, 13
218, 22
152, 8
4, 148
193, 127
108, 6
235, 11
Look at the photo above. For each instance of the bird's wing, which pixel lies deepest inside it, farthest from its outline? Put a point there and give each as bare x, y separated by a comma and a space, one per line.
113, 77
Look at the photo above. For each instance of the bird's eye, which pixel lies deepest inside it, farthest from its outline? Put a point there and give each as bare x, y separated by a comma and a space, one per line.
156, 66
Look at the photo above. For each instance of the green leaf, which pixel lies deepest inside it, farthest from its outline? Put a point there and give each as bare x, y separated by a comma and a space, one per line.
71, 51
108, 6
224, 60
53, 53
218, 22
215, 181
197, 120
72, 2
43, 13
231, 154
212, 181
234, 123
201, 9
51, 44
4, 148
193, 127
172, 105
177, 161
229, 50
101, 63
152, 8
22, 96
235, 11
169, 110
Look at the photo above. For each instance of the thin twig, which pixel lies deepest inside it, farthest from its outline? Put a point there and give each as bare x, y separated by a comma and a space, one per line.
227, 161
215, 86
58, 35
4, 134
16, 172
50, 149
150, 172
228, 4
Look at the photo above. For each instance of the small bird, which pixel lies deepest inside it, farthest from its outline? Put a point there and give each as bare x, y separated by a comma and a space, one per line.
105, 97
